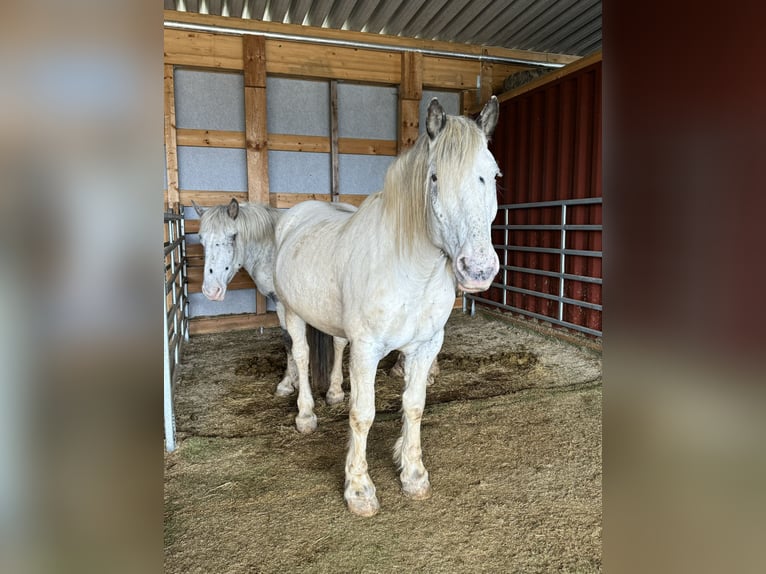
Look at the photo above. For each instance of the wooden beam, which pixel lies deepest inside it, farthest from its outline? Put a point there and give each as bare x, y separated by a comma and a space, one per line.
254, 61
410, 93
285, 200
171, 150
302, 59
203, 50
223, 323
210, 198
361, 146
285, 142
412, 76
211, 138
195, 276
256, 142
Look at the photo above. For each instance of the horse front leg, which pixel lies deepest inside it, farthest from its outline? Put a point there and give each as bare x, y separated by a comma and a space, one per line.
306, 421
335, 392
359, 490
407, 451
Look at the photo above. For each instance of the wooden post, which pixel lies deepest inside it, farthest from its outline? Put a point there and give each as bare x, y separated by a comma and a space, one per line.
410, 93
256, 136
256, 133
171, 152
335, 172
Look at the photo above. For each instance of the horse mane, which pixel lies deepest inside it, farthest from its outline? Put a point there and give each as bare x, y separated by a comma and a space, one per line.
405, 192
254, 222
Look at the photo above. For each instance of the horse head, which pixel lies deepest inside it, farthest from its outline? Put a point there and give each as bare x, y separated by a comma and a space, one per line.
461, 193
218, 234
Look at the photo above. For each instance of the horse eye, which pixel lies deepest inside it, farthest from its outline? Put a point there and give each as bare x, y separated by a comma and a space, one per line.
481, 179
433, 177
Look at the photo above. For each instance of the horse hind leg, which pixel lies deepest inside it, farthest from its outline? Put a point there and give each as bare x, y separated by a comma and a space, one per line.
289, 381
306, 420
335, 392
398, 369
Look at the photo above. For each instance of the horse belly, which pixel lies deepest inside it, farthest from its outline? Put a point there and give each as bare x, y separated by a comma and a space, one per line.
305, 280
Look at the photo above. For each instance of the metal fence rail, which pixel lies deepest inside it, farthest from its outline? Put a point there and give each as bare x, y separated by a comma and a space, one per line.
564, 254
176, 313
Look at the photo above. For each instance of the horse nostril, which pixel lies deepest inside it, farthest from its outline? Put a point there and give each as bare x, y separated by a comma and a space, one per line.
227, 269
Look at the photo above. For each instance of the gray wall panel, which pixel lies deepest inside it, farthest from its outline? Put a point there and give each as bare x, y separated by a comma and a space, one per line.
298, 107
210, 100
299, 172
367, 111
212, 169
236, 301
362, 174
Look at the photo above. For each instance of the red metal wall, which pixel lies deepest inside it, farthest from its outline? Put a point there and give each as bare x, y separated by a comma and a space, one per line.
548, 146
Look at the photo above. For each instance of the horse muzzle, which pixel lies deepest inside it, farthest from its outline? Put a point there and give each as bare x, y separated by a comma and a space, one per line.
214, 293
475, 274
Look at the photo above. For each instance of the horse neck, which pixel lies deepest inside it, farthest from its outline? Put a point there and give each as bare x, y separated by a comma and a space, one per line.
258, 255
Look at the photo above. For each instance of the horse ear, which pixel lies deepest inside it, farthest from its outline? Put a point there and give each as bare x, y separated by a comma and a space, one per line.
233, 208
197, 208
487, 119
436, 119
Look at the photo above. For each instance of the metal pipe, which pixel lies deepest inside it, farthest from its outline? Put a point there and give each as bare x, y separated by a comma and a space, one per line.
357, 44
563, 259
538, 316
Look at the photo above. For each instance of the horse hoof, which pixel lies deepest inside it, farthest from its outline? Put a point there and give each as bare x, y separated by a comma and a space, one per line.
306, 425
284, 389
334, 398
365, 507
417, 491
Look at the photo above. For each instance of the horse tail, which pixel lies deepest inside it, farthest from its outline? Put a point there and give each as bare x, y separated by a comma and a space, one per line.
321, 354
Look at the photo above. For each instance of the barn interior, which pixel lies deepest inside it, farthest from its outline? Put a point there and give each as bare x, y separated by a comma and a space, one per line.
283, 101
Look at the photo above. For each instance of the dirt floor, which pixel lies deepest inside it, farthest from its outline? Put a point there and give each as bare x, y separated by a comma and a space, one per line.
511, 439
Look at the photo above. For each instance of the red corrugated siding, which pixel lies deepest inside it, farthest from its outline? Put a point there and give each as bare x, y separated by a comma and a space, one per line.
548, 146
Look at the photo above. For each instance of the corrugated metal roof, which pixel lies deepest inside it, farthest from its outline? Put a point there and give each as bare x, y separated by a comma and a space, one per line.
571, 27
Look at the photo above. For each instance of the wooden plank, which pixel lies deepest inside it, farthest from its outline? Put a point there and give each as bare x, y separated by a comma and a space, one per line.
409, 119
256, 145
210, 138
195, 275
204, 50
210, 198
450, 74
287, 142
287, 200
254, 56
361, 146
223, 323
412, 76
332, 62
191, 226
256, 136
171, 150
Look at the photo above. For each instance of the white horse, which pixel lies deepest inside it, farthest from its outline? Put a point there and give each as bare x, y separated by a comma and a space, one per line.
242, 235
384, 278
